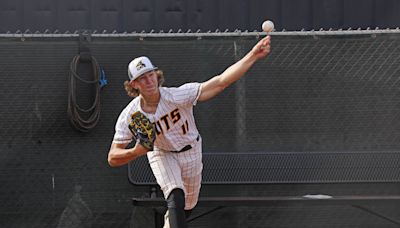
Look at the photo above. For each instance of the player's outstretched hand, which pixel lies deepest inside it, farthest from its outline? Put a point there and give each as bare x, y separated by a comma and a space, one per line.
262, 48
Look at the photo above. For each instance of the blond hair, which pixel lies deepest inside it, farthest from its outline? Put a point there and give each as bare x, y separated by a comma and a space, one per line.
132, 92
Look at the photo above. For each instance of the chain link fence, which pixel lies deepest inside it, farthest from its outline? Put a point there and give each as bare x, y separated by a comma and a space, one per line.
317, 91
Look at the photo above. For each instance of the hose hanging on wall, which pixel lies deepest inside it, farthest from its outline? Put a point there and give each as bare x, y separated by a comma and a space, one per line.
84, 119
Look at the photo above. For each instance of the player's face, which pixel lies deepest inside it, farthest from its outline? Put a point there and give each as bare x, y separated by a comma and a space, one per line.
147, 83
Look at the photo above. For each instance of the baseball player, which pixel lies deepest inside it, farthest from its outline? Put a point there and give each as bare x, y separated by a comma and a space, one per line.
176, 156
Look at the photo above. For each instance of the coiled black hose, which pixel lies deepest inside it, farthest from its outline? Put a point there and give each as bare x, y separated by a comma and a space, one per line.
83, 119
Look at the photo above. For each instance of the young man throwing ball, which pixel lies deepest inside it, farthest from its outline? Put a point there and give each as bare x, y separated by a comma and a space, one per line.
174, 149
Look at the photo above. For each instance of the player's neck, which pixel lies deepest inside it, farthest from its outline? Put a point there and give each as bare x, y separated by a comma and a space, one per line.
153, 98
149, 103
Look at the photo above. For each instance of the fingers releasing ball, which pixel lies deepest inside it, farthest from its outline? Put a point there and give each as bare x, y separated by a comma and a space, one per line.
268, 26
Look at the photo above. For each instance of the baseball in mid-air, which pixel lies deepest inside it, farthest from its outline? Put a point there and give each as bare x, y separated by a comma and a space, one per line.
268, 26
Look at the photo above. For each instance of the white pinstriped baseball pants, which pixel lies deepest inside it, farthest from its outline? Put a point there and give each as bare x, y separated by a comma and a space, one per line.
179, 170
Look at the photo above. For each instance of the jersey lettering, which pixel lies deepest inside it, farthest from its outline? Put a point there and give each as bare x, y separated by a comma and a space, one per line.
167, 121
175, 116
158, 128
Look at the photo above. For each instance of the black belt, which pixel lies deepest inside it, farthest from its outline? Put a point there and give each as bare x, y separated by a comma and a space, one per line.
187, 147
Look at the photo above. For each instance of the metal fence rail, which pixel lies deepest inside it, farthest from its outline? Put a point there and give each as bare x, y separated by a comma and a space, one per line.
197, 34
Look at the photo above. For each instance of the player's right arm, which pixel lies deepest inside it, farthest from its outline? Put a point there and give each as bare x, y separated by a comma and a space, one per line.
120, 155
217, 84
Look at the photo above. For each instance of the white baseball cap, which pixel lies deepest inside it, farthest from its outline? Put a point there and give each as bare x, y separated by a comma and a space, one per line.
139, 66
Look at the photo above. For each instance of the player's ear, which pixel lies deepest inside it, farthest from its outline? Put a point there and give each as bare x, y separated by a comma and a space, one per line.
133, 84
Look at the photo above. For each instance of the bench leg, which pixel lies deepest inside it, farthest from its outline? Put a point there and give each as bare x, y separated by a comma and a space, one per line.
377, 214
205, 213
159, 217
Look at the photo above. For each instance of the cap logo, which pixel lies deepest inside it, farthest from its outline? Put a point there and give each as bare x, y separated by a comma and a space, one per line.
140, 65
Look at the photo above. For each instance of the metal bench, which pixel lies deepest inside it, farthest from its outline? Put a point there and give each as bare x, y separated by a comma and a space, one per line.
268, 168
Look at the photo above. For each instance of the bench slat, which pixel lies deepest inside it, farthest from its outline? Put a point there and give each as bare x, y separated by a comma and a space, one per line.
274, 200
271, 168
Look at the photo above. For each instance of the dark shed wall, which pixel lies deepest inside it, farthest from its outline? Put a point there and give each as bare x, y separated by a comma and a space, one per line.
139, 15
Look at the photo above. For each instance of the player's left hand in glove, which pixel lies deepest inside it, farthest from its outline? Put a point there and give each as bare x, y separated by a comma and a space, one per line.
142, 129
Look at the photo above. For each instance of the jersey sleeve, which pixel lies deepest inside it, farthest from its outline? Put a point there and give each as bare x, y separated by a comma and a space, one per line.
187, 94
122, 133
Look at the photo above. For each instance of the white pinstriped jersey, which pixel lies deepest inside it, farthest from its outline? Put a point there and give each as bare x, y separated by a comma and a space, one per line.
174, 120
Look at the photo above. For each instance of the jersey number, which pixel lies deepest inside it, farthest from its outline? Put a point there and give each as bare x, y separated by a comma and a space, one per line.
185, 127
